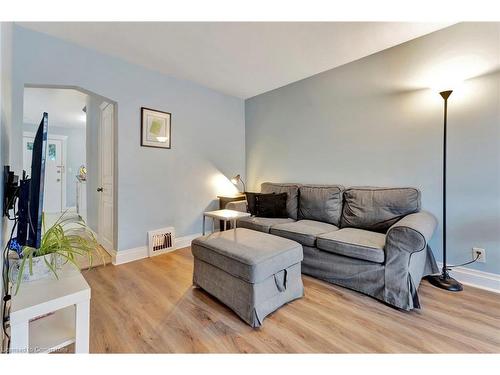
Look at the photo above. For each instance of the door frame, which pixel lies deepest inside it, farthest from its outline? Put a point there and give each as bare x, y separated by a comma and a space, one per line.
116, 172
64, 161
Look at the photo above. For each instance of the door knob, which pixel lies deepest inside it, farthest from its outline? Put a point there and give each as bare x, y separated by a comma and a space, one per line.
58, 180
99, 189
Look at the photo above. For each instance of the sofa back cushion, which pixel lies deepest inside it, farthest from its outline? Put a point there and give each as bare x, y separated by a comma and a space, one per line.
376, 209
292, 191
321, 203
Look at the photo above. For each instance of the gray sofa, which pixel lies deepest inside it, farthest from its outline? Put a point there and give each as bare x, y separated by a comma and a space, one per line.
373, 240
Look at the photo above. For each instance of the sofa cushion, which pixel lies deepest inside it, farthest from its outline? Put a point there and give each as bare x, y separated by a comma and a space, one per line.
376, 209
261, 224
247, 254
321, 203
251, 201
271, 205
302, 231
292, 190
354, 243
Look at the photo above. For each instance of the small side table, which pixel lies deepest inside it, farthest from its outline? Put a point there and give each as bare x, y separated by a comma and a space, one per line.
224, 200
67, 300
224, 216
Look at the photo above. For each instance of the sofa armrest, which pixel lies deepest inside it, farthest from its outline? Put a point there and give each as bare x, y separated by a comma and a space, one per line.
237, 206
407, 255
412, 233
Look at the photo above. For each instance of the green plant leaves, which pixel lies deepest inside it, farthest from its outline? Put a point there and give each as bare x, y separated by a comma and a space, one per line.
68, 238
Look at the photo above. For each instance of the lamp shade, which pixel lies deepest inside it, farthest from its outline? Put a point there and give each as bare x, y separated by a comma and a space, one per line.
445, 94
236, 179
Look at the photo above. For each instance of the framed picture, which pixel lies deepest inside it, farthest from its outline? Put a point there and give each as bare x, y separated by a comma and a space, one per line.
155, 128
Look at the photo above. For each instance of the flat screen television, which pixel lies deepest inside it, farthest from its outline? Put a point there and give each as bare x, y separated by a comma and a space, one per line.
29, 231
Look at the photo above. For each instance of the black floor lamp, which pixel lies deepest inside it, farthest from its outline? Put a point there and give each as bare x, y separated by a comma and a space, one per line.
444, 280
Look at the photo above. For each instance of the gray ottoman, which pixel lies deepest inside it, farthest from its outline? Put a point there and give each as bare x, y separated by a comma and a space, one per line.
251, 272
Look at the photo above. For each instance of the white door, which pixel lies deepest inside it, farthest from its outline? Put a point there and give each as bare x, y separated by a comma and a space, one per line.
106, 156
54, 172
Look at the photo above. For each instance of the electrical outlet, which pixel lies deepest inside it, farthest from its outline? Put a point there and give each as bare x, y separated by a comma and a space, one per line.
481, 252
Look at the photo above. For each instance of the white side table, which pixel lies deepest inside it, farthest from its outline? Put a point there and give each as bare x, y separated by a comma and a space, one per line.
225, 216
67, 298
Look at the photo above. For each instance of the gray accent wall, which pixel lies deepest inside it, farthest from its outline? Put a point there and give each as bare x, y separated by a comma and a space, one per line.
375, 122
156, 187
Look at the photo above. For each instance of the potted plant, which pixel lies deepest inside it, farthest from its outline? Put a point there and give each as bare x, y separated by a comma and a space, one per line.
63, 242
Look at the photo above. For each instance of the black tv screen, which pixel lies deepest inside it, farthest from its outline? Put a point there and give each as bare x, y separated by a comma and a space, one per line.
31, 193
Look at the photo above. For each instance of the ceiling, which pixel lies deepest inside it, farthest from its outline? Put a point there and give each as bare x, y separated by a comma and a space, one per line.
64, 107
242, 59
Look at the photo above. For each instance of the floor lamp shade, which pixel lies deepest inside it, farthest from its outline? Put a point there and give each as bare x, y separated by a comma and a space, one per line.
444, 280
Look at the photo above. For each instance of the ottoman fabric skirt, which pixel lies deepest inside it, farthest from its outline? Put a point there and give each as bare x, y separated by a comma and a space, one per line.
252, 302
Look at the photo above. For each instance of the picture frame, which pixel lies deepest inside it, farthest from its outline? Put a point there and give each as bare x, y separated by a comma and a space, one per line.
156, 128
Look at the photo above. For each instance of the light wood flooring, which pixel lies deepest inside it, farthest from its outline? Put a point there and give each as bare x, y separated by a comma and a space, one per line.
150, 306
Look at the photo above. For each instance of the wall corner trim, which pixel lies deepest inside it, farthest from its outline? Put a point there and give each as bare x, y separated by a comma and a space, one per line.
478, 279
141, 252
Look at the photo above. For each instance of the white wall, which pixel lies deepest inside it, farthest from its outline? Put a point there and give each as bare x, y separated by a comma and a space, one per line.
1, 178
5, 91
156, 187
373, 122
5, 118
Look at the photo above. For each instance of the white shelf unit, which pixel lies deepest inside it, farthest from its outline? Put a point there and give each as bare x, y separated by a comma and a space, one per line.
66, 300
53, 332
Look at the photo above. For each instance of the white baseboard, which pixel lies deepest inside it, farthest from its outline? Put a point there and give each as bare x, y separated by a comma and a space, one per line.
141, 252
185, 241
479, 279
129, 255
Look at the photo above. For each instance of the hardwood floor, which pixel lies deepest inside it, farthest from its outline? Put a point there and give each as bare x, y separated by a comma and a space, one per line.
150, 306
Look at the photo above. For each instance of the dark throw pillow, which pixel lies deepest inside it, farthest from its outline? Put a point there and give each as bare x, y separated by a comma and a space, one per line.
251, 202
271, 205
